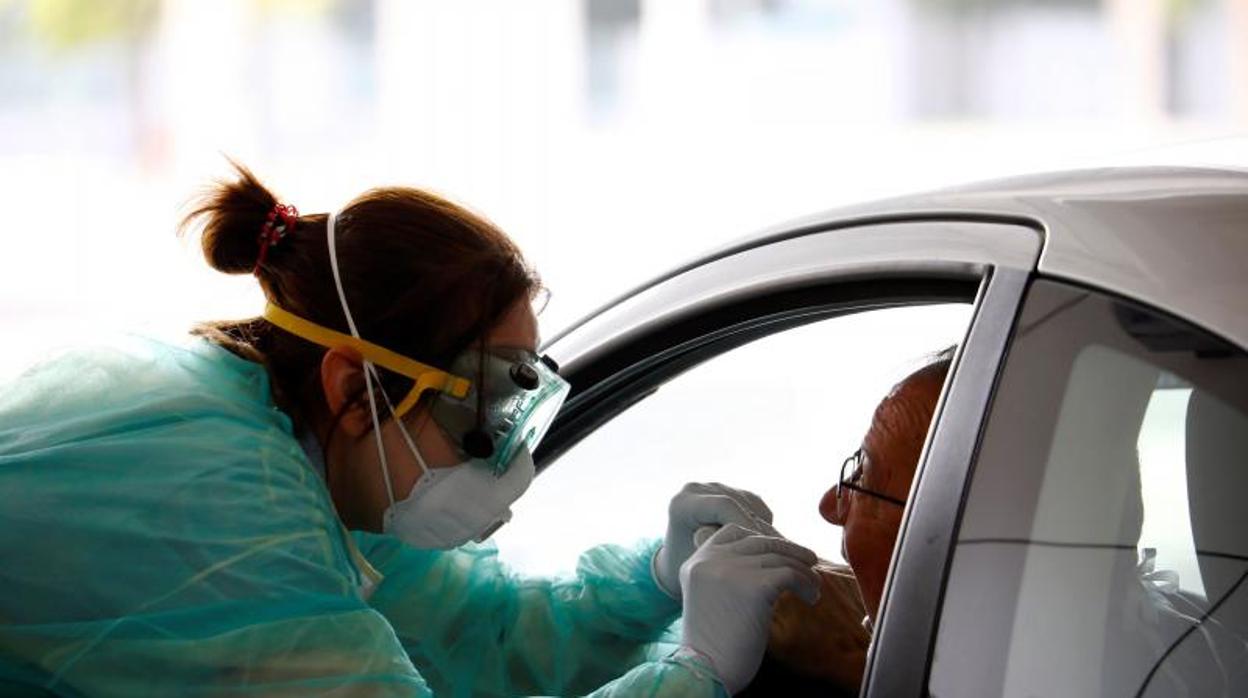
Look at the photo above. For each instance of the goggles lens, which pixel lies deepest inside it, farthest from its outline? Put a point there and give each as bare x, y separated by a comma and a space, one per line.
512, 404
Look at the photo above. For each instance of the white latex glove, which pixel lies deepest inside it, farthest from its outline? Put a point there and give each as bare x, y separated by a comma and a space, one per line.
730, 586
700, 504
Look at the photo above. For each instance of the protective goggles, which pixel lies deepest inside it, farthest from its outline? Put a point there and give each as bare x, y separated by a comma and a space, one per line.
512, 404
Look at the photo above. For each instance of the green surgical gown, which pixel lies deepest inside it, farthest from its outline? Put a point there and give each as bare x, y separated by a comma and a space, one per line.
163, 533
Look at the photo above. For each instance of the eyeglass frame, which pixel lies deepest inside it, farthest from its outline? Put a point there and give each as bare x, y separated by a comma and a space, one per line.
858, 457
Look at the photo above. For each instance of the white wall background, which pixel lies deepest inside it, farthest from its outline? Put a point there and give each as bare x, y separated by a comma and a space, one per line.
612, 138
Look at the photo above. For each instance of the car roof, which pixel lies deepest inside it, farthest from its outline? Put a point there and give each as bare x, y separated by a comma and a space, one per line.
1173, 237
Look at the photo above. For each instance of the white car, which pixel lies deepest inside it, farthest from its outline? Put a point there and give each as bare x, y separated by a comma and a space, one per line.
1079, 521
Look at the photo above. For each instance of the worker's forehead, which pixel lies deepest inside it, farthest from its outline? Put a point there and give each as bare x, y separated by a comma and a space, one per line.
517, 328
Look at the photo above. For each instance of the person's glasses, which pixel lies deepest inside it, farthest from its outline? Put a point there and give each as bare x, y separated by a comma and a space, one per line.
851, 475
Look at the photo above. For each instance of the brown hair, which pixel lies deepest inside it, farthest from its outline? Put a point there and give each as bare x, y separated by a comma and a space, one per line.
423, 277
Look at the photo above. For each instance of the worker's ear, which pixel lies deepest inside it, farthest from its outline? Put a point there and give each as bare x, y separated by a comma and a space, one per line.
342, 379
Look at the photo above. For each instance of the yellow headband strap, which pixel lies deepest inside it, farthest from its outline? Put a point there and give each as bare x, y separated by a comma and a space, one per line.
426, 377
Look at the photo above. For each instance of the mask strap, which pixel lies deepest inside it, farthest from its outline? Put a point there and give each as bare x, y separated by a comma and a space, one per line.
402, 428
368, 365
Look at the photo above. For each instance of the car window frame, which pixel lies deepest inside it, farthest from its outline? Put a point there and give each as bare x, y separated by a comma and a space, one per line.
810, 272
958, 260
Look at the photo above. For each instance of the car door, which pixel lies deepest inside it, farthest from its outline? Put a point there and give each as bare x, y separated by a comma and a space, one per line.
775, 294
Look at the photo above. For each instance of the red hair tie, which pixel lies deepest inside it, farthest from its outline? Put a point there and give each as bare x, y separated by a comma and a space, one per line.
280, 221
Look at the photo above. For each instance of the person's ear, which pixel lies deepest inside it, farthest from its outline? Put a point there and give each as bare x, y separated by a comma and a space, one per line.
342, 379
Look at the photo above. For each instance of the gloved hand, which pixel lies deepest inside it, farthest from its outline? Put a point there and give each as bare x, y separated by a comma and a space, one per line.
730, 585
701, 504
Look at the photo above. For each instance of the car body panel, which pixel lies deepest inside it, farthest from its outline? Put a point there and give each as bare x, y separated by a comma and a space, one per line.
1172, 237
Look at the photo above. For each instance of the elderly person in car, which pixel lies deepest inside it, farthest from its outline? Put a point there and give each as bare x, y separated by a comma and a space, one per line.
870, 496
821, 650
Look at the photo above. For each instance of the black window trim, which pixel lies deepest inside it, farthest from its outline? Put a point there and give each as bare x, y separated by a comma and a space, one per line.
635, 368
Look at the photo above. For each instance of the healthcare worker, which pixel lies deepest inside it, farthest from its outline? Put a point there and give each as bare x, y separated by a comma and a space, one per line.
287, 505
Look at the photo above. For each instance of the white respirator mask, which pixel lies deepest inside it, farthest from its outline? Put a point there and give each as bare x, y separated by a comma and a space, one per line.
448, 507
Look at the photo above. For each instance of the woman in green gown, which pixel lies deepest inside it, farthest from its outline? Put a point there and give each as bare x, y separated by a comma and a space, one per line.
290, 504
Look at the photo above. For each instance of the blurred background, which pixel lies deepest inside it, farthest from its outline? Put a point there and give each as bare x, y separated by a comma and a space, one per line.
612, 138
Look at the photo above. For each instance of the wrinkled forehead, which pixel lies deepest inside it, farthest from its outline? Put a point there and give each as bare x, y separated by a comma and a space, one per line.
908, 407
898, 428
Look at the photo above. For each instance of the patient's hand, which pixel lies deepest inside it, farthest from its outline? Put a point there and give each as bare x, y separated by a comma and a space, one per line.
827, 641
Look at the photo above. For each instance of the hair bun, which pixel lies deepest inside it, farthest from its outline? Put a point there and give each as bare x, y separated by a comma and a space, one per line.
233, 214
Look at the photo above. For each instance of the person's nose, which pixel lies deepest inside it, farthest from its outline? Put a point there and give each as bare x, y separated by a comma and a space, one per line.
828, 508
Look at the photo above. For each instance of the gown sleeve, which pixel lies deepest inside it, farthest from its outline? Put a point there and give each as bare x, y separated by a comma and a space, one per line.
474, 628
161, 534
